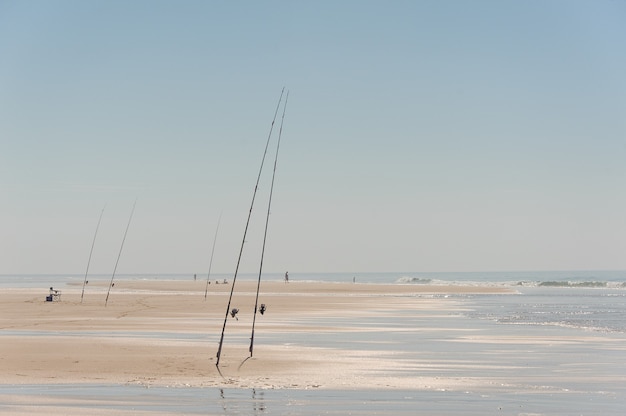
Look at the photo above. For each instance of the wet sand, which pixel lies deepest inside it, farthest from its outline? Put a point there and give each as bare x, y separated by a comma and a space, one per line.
166, 333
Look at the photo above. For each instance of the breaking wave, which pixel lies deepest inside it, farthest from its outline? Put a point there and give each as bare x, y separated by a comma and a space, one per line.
573, 284
414, 280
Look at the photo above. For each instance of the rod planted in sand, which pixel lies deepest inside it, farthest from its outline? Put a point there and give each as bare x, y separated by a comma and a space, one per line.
267, 220
93, 243
243, 240
120, 253
208, 277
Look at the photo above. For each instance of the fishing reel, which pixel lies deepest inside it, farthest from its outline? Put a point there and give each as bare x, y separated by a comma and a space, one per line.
234, 313
262, 309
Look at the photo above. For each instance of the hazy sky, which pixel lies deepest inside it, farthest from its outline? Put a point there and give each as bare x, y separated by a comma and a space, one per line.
419, 135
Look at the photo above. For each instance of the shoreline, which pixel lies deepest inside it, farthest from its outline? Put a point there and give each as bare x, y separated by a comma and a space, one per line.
389, 349
166, 333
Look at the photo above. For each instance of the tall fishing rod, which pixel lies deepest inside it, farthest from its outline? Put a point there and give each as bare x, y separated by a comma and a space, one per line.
120, 253
269, 136
208, 277
93, 243
267, 220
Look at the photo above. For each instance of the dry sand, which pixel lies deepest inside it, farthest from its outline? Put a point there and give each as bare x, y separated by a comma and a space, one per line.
143, 335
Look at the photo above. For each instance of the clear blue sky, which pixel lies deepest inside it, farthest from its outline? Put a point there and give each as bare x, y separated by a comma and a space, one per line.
419, 136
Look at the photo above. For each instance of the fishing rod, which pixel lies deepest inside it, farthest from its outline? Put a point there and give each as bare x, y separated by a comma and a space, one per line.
120, 253
269, 136
267, 220
93, 243
211, 261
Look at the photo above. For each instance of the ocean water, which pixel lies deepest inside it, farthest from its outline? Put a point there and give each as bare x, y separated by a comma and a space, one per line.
592, 279
555, 346
594, 310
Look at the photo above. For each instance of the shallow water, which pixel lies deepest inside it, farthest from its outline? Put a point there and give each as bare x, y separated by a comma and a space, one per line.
213, 401
589, 309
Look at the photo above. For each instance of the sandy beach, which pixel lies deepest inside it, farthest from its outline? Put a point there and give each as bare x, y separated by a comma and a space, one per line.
319, 347
68, 341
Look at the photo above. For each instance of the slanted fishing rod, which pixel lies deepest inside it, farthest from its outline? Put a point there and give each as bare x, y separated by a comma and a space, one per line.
93, 243
120, 253
269, 136
267, 220
208, 277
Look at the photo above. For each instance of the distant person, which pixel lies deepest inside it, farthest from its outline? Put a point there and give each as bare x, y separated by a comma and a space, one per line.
286, 277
